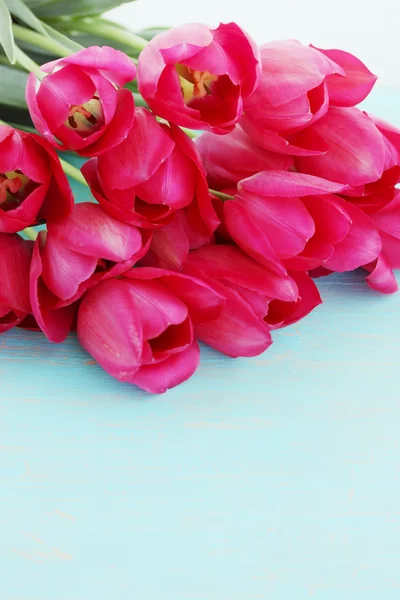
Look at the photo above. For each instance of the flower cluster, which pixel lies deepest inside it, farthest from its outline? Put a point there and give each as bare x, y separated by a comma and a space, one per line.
216, 239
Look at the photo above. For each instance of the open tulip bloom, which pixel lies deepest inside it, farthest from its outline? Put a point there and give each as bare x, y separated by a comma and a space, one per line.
218, 239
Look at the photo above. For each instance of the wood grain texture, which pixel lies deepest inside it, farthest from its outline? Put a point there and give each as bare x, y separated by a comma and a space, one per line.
274, 478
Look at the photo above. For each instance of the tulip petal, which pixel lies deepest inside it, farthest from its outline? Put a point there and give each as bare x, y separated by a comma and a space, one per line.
241, 54
381, 277
54, 322
172, 184
289, 70
387, 220
169, 247
356, 148
282, 314
176, 369
285, 221
91, 231
230, 265
22, 151
114, 64
332, 224
275, 142
60, 90
232, 157
251, 238
202, 300
288, 184
15, 262
238, 331
110, 328
123, 167
158, 306
355, 86
361, 245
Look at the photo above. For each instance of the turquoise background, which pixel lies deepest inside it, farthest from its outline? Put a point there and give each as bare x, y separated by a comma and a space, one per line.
274, 478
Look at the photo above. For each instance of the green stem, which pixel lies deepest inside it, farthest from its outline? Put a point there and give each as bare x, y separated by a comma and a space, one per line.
221, 195
39, 41
139, 100
30, 233
73, 172
27, 63
111, 32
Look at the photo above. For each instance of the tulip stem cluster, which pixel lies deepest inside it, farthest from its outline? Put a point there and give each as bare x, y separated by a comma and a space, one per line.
38, 40
111, 32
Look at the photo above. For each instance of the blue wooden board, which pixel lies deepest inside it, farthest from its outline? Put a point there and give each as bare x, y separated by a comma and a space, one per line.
274, 478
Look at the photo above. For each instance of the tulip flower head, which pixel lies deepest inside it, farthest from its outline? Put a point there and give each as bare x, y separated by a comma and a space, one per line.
81, 104
198, 77
33, 186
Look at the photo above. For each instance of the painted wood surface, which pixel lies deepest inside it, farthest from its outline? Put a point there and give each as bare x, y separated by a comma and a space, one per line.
274, 478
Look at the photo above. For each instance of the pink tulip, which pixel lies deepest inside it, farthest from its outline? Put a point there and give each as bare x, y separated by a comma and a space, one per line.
291, 220
291, 95
198, 77
357, 153
230, 158
14, 276
80, 105
75, 254
357, 83
33, 186
152, 174
268, 218
242, 328
139, 327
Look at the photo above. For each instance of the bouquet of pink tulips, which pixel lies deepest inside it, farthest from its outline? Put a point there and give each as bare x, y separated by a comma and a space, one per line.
222, 179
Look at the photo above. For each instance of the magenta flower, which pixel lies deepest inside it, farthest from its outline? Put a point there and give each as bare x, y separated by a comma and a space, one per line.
15, 262
75, 254
230, 158
153, 173
357, 83
33, 186
285, 218
81, 105
249, 289
139, 327
291, 95
198, 77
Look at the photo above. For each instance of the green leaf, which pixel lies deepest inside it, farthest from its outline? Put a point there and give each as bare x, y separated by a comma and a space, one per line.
6, 34
62, 39
22, 12
48, 9
12, 87
148, 34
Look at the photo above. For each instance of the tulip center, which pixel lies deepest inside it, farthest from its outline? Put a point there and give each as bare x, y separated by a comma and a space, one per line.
195, 84
12, 189
86, 118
